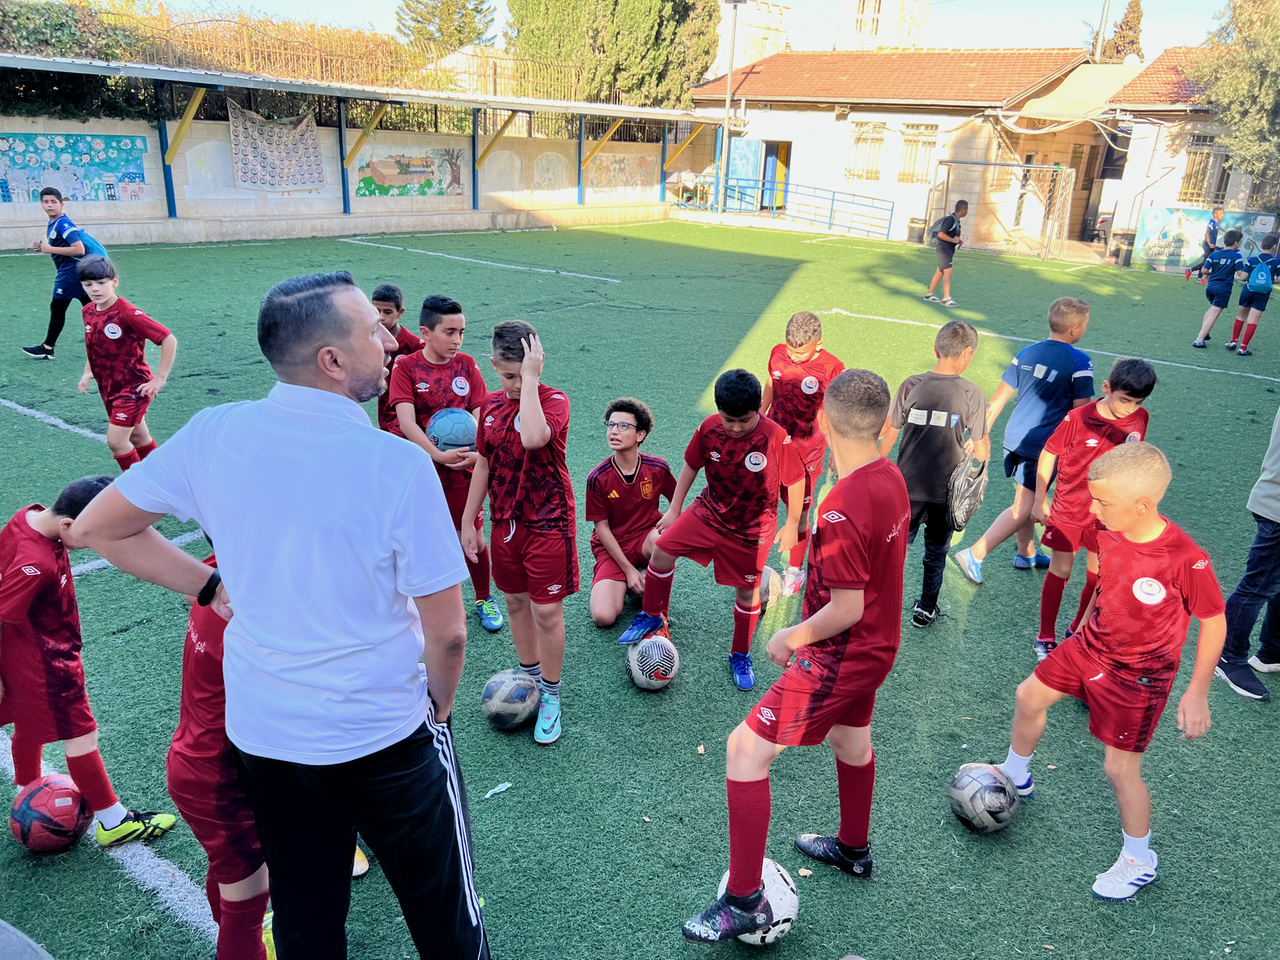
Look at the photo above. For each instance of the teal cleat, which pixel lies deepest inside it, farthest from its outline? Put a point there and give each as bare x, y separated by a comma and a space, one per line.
547, 729
489, 614
969, 565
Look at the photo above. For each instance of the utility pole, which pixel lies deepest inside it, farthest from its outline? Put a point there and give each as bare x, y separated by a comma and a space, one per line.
1102, 27
728, 103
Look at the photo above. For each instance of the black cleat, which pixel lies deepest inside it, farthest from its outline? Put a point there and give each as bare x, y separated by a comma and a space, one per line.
856, 863
920, 617
729, 917
39, 352
1241, 678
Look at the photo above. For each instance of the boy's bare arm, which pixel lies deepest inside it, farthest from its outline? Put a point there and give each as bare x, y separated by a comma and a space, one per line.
766, 396
1080, 402
1040, 510
168, 353
1193, 708
842, 611
888, 436
535, 432
687, 475
789, 535
407, 417
472, 539
998, 400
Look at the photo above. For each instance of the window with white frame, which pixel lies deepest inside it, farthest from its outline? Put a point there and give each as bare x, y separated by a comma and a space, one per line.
868, 138
919, 141
1208, 171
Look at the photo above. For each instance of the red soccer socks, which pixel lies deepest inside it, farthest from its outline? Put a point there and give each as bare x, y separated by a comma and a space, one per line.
744, 627
749, 808
856, 786
1050, 604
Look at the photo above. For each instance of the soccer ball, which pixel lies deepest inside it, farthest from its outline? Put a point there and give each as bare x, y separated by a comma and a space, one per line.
780, 891
652, 662
49, 814
510, 698
452, 429
983, 797
770, 587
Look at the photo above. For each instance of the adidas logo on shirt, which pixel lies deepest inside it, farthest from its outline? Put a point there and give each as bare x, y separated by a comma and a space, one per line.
613, 494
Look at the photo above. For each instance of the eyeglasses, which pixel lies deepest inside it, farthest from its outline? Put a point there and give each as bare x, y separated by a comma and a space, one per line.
618, 426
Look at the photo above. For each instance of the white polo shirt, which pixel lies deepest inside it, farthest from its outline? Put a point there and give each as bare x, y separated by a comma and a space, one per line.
322, 525
1264, 499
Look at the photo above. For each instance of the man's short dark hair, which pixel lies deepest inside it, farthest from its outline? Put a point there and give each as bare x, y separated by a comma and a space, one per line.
95, 267
637, 408
435, 309
298, 314
72, 500
51, 192
737, 393
505, 344
1270, 240
954, 338
1135, 377
961, 205
1216, 209
856, 404
388, 293
1233, 237
803, 327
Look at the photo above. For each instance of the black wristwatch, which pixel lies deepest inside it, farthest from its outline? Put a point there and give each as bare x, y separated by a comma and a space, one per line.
209, 589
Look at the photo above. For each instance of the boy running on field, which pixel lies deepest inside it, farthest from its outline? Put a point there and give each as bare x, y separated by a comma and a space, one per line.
748, 460
389, 302
1209, 243
439, 377
799, 371
115, 335
521, 468
836, 659
42, 687
622, 502
947, 240
934, 411
1152, 579
65, 244
1253, 305
1085, 434
1223, 265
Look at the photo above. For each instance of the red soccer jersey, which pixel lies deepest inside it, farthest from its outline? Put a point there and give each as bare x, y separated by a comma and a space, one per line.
406, 343
859, 543
1147, 594
630, 506
744, 477
532, 486
798, 392
432, 387
1081, 438
40, 646
201, 735
115, 341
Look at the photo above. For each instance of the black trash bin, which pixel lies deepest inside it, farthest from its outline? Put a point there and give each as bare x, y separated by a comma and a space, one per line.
916, 227
1122, 247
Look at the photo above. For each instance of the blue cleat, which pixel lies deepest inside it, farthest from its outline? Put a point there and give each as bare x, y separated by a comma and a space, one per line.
489, 614
743, 674
547, 729
729, 917
969, 566
644, 625
1038, 561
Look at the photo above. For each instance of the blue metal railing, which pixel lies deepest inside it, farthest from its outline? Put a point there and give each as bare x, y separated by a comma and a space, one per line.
832, 209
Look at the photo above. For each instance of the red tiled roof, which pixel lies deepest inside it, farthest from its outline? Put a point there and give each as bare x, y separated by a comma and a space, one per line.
892, 75
1165, 80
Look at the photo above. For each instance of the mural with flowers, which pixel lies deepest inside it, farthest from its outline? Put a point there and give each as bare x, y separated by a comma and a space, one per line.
82, 166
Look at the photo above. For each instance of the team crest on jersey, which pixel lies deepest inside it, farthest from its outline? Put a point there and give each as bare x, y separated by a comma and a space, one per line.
834, 516
31, 571
755, 461
517, 423
1133, 437
112, 331
809, 385
646, 488
461, 386
1149, 590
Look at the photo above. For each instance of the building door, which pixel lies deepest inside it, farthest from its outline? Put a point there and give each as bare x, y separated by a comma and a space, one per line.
777, 171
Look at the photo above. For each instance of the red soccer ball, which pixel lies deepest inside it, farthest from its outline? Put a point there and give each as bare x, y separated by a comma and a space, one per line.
50, 814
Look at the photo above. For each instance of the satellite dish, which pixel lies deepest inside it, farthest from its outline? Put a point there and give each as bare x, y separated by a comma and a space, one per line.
1132, 60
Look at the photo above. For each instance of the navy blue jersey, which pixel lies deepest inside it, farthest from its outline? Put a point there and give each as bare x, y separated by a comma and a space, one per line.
1049, 377
1222, 266
1258, 258
1212, 231
63, 233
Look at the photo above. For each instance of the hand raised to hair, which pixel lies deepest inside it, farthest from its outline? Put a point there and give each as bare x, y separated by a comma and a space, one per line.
534, 358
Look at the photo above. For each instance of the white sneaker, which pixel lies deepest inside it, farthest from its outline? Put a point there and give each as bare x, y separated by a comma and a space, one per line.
1126, 878
792, 581
1263, 666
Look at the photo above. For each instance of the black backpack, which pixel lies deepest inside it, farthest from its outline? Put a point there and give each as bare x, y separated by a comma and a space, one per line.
933, 230
965, 491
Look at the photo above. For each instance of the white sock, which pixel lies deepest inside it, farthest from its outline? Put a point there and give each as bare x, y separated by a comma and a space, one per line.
111, 817
1017, 767
1138, 848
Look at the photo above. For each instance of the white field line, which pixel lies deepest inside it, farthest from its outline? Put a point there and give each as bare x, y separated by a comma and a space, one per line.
177, 893
1002, 336
93, 566
487, 263
52, 420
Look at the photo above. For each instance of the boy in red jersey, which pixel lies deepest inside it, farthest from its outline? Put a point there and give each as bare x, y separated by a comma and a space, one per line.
115, 332
799, 371
440, 377
521, 468
836, 658
1152, 579
748, 460
42, 690
1085, 434
622, 502
389, 302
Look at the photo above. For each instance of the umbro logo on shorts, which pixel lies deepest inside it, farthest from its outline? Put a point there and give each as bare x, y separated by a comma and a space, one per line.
121, 416
833, 516
555, 588
766, 715
31, 571
1201, 565
63, 581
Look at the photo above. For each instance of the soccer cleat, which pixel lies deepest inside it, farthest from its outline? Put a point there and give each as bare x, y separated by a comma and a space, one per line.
1126, 878
729, 917
1044, 646
830, 850
547, 729
1233, 344
1199, 343
359, 865
1037, 561
949, 303
792, 581
1187, 275
38, 352
644, 625
489, 614
1242, 680
920, 617
1264, 666
1204, 282
135, 826
268, 935
969, 565
743, 673
931, 298
1244, 352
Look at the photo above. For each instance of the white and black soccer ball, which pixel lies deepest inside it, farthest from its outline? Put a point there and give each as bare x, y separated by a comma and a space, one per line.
983, 797
510, 699
770, 587
652, 662
784, 901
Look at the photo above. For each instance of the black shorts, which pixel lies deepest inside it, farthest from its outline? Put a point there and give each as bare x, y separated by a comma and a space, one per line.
1022, 469
1254, 301
1218, 294
946, 253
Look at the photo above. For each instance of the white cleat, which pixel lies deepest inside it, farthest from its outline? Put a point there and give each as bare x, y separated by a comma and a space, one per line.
1125, 879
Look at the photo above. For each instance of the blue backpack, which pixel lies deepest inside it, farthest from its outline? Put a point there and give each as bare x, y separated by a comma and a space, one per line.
1260, 277
92, 246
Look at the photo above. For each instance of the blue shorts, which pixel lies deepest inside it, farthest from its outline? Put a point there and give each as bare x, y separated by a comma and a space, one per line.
1022, 469
67, 287
1218, 294
1254, 301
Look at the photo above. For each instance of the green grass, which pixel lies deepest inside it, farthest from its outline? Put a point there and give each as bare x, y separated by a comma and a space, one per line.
567, 863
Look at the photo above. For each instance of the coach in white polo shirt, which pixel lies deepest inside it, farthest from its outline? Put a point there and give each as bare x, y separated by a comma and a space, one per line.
324, 525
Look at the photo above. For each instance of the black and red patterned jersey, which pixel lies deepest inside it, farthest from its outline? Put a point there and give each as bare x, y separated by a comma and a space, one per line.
532, 486
115, 340
1083, 436
798, 392
1147, 595
432, 387
407, 342
744, 477
630, 505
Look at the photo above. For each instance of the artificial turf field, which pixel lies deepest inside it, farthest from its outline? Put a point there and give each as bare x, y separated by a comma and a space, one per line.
607, 840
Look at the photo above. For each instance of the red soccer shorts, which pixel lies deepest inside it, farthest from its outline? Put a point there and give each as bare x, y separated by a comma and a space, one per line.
216, 808
456, 497
1070, 538
736, 565
49, 722
799, 710
126, 410
525, 561
606, 568
1122, 712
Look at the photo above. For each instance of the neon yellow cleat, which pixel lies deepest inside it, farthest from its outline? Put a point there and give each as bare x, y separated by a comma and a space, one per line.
135, 826
268, 938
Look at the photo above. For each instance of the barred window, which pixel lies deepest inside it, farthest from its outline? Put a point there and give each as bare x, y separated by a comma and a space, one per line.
1208, 171
919, 140
868, 138
867, 22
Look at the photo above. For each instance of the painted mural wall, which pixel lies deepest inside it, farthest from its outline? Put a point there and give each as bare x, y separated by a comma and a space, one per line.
83, 166
410, 170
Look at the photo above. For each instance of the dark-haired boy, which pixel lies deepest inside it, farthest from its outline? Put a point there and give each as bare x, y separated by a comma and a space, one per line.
1222, 266
1209, 242
389, 302
947, 239
934, 411
1085, 434
65, 244
42, 687
424, 382
622, 502
1253, 305
836, 658
799, 371
521, 468
748, 459
115, 334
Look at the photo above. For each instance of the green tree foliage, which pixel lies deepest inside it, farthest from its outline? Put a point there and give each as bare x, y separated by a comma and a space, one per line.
46, 28
1126, 36
446, 24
